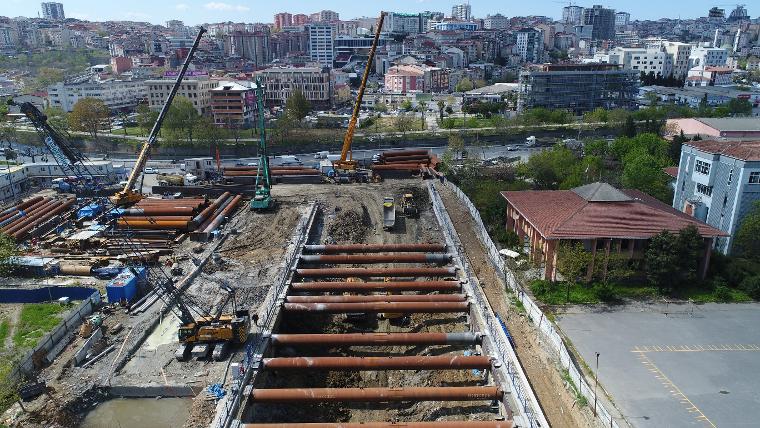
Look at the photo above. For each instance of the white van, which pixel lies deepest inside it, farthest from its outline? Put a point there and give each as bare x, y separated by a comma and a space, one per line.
322, 155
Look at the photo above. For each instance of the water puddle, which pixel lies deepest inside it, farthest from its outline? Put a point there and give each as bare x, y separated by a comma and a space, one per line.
139, 412
164, 334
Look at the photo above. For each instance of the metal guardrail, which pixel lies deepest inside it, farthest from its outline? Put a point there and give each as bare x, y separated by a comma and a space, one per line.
535, 314
230, 404
521, 389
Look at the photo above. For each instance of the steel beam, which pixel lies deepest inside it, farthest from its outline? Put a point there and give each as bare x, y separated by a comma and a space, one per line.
378, 339
375, 248
378, 272
377, 258
373, 307
440, 362
378, 298
377, 286
376, 395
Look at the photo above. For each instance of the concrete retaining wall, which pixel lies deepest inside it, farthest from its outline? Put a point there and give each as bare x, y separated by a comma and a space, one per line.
154, 391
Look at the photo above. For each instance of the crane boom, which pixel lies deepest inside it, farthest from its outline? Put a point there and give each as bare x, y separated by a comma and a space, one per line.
127, 195
346, 161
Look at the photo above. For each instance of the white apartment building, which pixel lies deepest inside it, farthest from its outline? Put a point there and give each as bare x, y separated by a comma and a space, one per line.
496, 22
704, 56
197, 90
461, 12
680, 53
642, 60
530, 45
116, 94
53, 10
322, 43
572, 15
622, 19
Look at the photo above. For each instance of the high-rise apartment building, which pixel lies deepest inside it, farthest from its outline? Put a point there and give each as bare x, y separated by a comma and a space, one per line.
496, 22
232, 104
572, 15
530, 45
300, 19
282, 19
622, 19
602, 20
53, 10
405, 23
280, 82
252, 46
679, 53
461, 12
197, 89
327, 16
322, 43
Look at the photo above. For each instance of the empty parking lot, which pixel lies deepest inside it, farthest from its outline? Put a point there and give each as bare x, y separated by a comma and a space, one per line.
674, 365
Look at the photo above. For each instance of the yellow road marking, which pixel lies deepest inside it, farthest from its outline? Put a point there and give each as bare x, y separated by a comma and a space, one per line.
692, 408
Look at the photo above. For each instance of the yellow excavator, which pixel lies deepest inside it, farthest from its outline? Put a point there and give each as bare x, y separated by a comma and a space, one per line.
346, 165
128, 195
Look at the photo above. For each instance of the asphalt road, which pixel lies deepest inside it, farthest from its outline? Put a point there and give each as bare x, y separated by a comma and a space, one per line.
677, 365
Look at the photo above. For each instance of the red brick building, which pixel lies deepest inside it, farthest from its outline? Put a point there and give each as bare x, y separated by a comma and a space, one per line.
604, 219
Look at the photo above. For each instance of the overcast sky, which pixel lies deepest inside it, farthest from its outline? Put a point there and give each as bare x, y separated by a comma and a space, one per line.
203, 11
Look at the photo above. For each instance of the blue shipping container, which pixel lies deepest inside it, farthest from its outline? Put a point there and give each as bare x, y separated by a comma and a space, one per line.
123, 288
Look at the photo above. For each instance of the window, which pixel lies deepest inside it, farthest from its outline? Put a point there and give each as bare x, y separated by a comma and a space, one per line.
730, 176
754, 177
705, 190
703, 167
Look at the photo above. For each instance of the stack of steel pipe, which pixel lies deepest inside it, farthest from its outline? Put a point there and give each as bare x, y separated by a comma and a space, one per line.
212, 217
21, 221
281, 174
400, 162
163, 214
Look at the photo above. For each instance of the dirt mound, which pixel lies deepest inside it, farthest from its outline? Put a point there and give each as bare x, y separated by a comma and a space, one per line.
350, 226
421, 195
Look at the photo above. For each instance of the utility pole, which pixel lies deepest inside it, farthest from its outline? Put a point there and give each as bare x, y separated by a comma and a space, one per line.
596, 381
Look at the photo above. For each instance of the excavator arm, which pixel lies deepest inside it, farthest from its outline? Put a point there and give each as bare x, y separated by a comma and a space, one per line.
128, 195
346, 162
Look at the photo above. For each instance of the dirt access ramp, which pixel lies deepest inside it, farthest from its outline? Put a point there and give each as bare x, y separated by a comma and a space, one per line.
542, 370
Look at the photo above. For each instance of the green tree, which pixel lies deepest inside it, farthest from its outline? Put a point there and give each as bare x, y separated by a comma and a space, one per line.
599, 115
644, 172
7, 250
549, 169
146, 118
464, 85
662, 260
747, 240
629, 129
406, 105
57, 117
88, 115
573, 261
297, 106
739, 107
403, 123
690, 246
208, 134
381, 108
441, 107
456, 144
596, 147
181, 120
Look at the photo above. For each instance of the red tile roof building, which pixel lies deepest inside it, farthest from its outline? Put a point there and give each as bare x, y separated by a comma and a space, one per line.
599, 216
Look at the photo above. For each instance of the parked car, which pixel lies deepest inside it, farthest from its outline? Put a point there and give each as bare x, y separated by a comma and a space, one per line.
150, 170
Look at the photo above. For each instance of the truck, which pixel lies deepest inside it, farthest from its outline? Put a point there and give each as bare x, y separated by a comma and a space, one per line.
389, 213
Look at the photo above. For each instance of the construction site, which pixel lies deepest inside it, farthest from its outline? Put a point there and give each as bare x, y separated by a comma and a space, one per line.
271, 296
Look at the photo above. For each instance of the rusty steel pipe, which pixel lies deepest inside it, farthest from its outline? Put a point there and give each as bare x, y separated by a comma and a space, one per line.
29, 214
132, 218
376, 248
398, 167
439, 258
376, 395
395, 153
378, 298
151, 211
435, 424
200, 218
10, 212
379, 272
440, 362
63, 206
378, 339
30, 217
223, 215
214, 214
373, 307
411, 158
172, 202
155, 225
377, 286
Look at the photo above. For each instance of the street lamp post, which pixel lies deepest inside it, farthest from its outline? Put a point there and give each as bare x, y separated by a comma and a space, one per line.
596, 381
